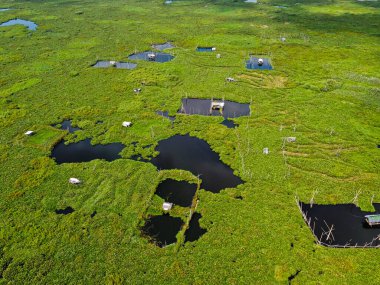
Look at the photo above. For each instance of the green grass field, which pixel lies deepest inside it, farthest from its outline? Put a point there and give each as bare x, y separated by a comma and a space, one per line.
324, 90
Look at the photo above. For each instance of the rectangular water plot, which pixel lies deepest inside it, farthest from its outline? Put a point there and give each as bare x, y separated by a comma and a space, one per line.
115, 64
206, 49
84, 151
179, 193
29, 24
162, 230
342, 225
164, 46
259, 63
152, 56
207, 107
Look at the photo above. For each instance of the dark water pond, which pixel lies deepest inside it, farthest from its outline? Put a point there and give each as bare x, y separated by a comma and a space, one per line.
195, 155
83, 151
194, 232
162, 229
30, 25
166, 115
177, 192
120, 65
66, 125
348, 221
229, 124
203, 107
158, 56
163, 46
205, 49
67, 210
93, 214
253, 63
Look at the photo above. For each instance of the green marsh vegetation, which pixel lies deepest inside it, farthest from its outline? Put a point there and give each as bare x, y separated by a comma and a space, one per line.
324, 90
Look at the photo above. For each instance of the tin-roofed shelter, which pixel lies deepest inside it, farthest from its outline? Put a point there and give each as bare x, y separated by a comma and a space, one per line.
372, 220
126, 124
74, 181
166, 206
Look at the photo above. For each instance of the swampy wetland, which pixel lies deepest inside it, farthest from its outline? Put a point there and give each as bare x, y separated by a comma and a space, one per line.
300, 129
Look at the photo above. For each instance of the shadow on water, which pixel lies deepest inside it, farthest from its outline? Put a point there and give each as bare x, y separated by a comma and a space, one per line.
66, 211
348, 220
194, 232
66, 125
119, 64
253, 63
152, 56
83, 151
166, 115
177, 192
203, 107
30, 25
229, 124
162, 229
195, 155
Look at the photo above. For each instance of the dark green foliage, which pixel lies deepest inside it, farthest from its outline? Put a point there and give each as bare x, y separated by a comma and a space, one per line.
324, 90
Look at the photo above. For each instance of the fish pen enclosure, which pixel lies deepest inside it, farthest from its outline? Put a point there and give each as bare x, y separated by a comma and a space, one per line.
341, 225
213, 107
